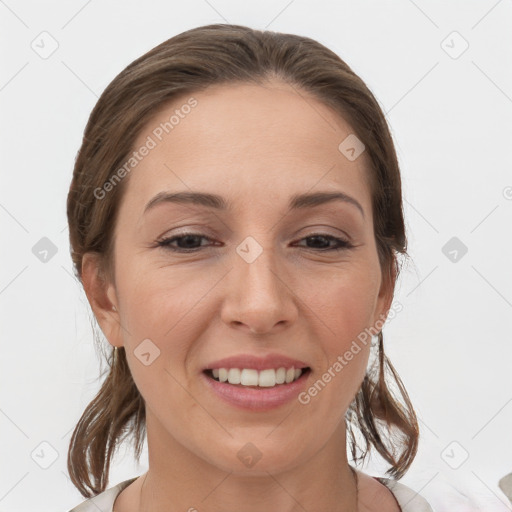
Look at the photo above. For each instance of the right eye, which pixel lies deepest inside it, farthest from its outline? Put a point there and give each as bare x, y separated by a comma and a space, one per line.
187, 242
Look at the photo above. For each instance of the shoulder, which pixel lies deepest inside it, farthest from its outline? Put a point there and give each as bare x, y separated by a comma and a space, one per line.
104, 501
409, 499
388, 495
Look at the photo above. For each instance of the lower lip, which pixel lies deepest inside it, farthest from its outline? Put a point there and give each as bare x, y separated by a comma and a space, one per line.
257, 399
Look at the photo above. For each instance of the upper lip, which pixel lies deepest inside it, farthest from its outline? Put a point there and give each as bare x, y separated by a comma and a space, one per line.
256, 362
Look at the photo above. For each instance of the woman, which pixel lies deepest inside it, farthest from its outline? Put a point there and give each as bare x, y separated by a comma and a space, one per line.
235, 218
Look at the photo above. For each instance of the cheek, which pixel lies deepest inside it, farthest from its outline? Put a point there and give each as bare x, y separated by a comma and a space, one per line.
164, 312
158, 303
344, 308
157, 339
345, 304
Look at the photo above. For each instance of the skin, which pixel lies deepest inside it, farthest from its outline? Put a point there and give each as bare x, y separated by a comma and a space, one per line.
256, 146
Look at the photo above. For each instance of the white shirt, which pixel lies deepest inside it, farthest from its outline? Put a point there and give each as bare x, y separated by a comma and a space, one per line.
409, 500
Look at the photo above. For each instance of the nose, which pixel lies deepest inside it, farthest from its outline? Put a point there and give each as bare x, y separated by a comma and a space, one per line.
258, 298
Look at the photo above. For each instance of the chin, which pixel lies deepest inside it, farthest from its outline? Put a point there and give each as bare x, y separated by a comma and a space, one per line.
257, 458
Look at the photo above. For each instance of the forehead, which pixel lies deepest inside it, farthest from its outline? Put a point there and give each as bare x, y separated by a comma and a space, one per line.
246, 141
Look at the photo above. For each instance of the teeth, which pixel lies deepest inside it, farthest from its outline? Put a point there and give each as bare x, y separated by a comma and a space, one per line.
234, 376
280, 376
266, 378
250, 377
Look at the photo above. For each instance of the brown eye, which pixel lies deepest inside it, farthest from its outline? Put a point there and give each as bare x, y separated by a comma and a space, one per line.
321, 242
191, 242
187, 242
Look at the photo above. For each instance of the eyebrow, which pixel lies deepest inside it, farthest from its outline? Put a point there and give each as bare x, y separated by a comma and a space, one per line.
297, 201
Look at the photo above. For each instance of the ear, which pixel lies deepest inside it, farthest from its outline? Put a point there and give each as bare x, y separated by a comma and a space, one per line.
101, 295
385, 297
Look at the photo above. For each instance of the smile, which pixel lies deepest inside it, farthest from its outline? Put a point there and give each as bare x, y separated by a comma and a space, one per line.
253, 378
242, 389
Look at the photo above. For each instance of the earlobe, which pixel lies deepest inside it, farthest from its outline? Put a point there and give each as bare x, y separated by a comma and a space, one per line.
100, 294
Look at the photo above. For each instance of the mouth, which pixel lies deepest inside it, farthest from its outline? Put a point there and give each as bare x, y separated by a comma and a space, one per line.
257, 379
255, 382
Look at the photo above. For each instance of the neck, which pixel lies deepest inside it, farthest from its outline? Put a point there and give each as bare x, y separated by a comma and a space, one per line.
178, 479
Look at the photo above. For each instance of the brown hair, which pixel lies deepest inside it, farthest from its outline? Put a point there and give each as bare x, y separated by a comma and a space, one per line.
189, 62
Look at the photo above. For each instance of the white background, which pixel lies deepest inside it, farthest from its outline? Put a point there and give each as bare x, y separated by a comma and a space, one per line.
452, 121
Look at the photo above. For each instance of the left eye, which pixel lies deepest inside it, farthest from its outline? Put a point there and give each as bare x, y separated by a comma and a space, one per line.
187, 242
341, 243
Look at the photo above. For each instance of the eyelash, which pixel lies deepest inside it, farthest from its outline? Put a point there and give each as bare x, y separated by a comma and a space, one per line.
342, 243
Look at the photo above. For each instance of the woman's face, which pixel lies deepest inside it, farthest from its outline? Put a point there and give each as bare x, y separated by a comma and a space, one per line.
258, 281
